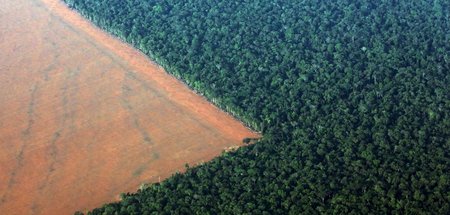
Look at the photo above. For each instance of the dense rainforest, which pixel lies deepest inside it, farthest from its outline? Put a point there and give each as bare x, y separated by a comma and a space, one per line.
352, 97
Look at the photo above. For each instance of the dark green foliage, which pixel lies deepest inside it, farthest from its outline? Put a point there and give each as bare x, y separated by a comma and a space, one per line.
353, 98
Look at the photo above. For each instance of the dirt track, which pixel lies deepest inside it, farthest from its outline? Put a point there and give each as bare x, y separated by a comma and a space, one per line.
84, 117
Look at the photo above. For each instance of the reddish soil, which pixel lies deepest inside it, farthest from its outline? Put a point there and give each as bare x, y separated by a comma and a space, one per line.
84, 117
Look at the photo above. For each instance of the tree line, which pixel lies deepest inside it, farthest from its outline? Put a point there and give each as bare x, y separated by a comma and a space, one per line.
353, 99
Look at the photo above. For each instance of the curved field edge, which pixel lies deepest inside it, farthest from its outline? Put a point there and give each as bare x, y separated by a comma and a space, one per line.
352, 98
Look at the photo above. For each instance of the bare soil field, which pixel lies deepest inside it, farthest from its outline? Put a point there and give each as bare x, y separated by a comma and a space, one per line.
84, 117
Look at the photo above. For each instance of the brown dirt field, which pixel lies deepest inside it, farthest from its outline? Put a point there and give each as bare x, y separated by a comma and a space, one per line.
84, 117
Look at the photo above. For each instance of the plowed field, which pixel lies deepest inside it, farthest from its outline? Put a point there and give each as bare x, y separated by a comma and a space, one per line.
84, 117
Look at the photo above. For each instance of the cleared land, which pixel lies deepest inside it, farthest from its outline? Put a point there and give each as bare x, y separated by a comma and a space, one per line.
84, 117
